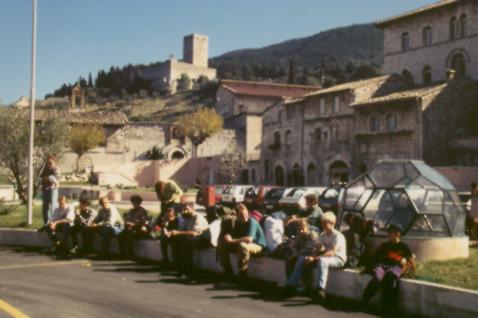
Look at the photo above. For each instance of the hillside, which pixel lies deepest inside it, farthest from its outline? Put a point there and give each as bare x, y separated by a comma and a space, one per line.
337, 49
327, 58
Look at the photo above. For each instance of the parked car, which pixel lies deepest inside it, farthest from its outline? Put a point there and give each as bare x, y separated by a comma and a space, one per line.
210, 195
330, 199
272, 198
233, 194
254, 198
295, 198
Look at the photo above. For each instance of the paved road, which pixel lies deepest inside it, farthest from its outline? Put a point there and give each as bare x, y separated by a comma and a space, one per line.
37, 285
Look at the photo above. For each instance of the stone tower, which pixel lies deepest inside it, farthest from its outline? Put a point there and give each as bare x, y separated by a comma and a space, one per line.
195, 50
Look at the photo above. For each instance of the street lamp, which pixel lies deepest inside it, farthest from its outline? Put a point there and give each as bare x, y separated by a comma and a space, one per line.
32, 114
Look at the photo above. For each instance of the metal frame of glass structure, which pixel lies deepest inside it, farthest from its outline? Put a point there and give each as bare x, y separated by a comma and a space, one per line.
408, 193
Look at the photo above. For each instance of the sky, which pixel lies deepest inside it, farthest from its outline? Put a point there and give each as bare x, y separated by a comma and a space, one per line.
76, 37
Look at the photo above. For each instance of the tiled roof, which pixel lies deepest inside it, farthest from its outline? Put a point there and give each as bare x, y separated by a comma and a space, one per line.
266, 89
378, 81
80, 117
412, 94
428, 8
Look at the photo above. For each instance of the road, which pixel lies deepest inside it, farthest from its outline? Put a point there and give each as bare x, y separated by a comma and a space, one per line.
33, 284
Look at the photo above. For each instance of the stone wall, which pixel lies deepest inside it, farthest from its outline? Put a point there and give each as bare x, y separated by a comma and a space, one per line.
437, 55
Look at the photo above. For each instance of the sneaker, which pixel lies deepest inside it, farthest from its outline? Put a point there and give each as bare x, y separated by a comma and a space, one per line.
320, 295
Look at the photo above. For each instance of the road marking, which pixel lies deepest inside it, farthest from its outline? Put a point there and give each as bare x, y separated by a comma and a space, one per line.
12, 311
43, 265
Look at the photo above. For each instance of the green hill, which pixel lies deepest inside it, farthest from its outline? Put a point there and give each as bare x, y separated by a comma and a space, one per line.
338, 50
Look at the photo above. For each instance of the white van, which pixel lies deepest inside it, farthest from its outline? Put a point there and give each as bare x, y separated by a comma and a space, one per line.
295, 198
233, 194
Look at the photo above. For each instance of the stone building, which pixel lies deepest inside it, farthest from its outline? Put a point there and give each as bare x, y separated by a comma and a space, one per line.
426, 43
165, 75
242, 103
310, 140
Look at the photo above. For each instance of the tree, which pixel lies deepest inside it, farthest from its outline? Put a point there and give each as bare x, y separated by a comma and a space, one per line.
50, 138
291, 72
231, 163
200, 125
184, 82
364, 72
83, 138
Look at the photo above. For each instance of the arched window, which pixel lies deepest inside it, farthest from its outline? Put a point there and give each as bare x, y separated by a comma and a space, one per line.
318, 135
297, 176
288, 138
277, 138
427, 74
374, 123
458, 64
392, 122
405, 41
463, 31
453, 28
427, 36
279, 176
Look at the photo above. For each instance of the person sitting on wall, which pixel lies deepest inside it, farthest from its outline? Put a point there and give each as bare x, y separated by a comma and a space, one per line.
356, 237
107, 224
61, 221
84, 217
165, 224
191, 234
245, 237
302, 245
330, 252
169, 194
135, 226
312, 213
391, 260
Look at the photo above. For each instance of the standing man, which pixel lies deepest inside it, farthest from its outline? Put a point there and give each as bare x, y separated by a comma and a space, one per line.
169, 194
245, 237
330, 252
61, 221
50, 180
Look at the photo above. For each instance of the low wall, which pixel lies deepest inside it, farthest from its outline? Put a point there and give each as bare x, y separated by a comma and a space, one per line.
7, 193
418, 297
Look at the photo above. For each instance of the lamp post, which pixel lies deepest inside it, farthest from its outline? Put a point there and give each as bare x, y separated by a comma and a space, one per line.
32, 114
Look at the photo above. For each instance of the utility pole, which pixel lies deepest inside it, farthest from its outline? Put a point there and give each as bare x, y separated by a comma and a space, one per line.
32, 114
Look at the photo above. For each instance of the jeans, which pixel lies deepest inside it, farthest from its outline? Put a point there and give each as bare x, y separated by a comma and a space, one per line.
49, 203
87, 237
323, 265
183, 250
106, 233
64, 229
386, 278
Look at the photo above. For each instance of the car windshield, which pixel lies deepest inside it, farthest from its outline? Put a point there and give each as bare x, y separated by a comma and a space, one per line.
330, 194
228, 190
296, 193
219, 190
251, 192
275, 193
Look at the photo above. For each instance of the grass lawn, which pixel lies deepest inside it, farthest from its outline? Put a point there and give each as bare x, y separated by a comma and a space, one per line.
17, 217
460, 273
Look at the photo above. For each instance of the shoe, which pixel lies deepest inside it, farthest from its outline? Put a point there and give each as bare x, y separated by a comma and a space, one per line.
320, 296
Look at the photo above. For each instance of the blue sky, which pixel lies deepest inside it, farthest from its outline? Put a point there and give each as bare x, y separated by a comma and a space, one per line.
80, 36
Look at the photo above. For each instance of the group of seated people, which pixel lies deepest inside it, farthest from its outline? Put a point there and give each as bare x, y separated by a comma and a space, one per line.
308, 240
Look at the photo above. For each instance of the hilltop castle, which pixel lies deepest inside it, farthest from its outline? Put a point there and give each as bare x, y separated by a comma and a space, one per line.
194, 64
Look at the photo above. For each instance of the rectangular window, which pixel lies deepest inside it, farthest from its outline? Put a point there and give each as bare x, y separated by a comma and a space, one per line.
336, 104
322, 106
